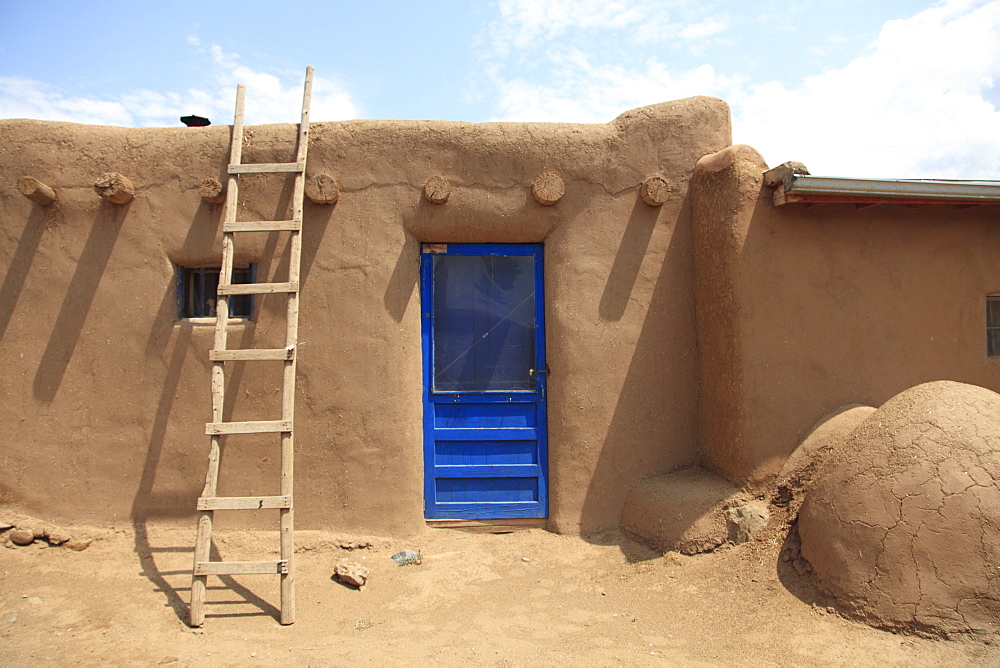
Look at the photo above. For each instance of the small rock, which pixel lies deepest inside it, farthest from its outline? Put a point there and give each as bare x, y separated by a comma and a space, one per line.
745, 522
525, 560
354, 544
39, 533
4, 526
78, 545
22, 536
56, 539
12, 619
406, 557
351, 573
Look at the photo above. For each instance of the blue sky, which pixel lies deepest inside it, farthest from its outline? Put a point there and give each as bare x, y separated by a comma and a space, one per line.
882, 89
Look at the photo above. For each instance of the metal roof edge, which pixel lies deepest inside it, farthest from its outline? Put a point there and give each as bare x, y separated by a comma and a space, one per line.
930, 189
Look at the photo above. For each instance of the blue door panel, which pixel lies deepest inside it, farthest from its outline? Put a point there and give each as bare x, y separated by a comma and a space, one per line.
485, 441
475, 453
500, 415
483, 490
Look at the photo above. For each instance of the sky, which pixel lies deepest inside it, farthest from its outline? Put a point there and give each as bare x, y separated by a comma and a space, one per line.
887, 89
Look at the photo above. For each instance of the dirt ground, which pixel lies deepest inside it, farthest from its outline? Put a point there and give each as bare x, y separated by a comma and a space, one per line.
524, 598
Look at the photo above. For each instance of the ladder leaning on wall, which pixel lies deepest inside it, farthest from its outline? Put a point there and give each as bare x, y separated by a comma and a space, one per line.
209, 502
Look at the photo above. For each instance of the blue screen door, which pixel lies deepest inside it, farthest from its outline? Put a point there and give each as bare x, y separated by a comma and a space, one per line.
485, 441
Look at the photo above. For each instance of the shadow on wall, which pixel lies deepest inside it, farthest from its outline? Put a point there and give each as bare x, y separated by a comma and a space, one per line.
200, 236
79, 296
403, 281
652, 429
628, 260
20, 264
148, 504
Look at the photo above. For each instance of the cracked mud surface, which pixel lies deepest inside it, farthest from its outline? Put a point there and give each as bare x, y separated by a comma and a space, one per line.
902, 527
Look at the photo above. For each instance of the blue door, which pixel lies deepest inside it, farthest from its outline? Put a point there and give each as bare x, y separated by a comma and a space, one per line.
484, 381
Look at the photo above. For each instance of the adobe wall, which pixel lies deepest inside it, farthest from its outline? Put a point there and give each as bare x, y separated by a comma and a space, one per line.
804, 309
106, 392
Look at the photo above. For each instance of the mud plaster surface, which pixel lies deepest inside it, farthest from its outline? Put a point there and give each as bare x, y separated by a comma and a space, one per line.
106, 392
803, 309
528, 598
901, 525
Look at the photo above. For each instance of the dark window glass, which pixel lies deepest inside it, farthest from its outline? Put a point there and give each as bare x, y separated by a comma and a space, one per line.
484, 322
993, 325
197, 288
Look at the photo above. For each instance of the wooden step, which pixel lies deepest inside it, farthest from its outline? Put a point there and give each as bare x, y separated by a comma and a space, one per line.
241, 567
262, 226
243, 502
251, 354
267, 168
260, 427
258, 288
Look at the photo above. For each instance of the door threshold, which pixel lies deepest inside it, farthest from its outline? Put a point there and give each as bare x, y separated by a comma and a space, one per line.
489, 526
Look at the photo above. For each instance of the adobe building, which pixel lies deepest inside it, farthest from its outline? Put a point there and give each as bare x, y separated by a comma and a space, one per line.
663, 297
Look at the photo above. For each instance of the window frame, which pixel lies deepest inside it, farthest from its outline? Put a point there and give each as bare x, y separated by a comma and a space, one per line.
185, 277
992, 326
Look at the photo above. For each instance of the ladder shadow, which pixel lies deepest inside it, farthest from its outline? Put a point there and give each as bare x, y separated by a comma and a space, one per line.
152, 571
172, 342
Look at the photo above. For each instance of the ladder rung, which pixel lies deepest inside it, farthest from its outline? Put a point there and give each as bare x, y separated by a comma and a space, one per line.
266, 168
243, 502
258, 288
241, 567
262, 226
261, 427
251, 354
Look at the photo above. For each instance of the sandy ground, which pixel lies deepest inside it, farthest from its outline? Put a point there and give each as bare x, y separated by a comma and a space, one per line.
528, 597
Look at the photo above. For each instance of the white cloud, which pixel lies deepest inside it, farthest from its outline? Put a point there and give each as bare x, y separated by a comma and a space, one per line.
572, 60
703, 29
527, 23
270, 98
916, 106
588, 93
523, 21
919, 103
21, 97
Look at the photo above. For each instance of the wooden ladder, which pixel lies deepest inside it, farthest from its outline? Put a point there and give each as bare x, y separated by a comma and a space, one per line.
209, 502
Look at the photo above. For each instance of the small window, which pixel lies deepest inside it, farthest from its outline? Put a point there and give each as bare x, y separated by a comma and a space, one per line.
993, 325
197, 288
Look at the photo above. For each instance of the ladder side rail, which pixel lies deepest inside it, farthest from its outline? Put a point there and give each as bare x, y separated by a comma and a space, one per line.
287, 515
203, 541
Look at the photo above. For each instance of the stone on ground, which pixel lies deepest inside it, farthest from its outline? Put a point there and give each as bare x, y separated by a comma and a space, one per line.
78, 545
351, 573
746, 521
22, 536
